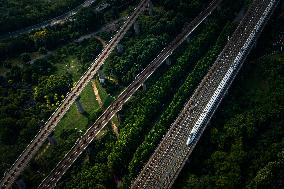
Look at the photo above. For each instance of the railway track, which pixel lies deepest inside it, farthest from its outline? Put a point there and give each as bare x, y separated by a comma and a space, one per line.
173, 151
50, 22
49, 126
81, 144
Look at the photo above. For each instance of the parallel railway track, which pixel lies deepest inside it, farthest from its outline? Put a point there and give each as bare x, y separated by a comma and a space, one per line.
173, 151
81, 144
49, 126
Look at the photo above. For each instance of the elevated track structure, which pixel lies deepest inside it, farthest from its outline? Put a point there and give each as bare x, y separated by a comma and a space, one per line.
82, 143
174, 149
49, 126
50, 22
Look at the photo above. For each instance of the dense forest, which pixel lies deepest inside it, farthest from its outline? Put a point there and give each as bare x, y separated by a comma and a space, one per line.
18, 14
242, 147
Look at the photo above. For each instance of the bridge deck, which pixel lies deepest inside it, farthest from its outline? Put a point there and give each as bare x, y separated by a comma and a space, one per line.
170, 156
51, 180
49, 126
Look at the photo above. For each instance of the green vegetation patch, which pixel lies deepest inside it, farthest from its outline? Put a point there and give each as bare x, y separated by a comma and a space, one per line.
244, 145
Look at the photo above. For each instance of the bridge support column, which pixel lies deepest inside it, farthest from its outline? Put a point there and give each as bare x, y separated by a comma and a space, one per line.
102, 77
188, 39
88, 150
150, 8
136, 28
206, 21
52, 141
144, 87
119, 48
226, 93
120, 116
254, 44
209, 123
218, 7
20, 183
168, 61
79, 106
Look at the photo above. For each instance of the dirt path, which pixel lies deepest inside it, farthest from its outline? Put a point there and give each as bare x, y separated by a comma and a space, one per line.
96, 91
114, 128
98, 98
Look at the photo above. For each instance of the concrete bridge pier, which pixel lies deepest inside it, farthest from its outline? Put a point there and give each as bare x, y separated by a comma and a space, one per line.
188, 39
79, 106
102, 76
20, 183
206, 21
88, 150
119, 48
226, 93
51, 139
209, 123
150, 8
254, 44
144, 87
136, 28
168, 61
120, 116
218, 7
90, 154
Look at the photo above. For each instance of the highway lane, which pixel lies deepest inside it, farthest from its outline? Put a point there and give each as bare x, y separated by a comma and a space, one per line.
33, 147
81, 144
53, 21
172, 153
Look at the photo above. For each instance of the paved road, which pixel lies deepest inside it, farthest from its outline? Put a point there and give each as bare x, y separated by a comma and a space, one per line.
107, 28
50, 125
113, 26
81, 144
172, 153
57, 20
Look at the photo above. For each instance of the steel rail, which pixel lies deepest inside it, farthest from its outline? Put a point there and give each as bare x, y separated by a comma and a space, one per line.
81, 144
45, 131
170, 156
49, 22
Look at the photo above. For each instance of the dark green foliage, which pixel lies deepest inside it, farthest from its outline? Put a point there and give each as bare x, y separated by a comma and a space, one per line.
29, 93
224, 161
15, 46
96, 173
144, 151
246, 137
51, 86
97, 177
18, 14
85, 20
141, 115
142, 51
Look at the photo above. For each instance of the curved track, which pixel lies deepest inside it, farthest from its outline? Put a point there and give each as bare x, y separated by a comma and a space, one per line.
50, 22
35, 144
81, 144
172, 153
